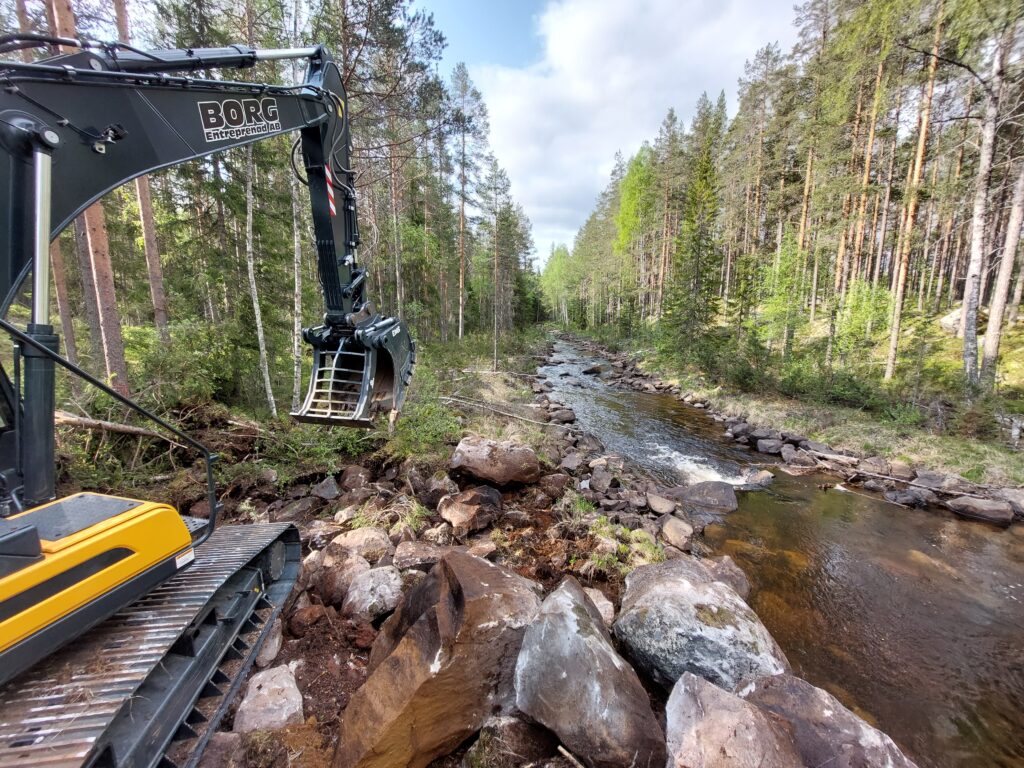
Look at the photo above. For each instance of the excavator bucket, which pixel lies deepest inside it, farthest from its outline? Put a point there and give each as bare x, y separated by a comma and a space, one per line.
357, 376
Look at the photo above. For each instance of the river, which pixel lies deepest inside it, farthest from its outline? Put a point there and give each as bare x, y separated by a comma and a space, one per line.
914, 619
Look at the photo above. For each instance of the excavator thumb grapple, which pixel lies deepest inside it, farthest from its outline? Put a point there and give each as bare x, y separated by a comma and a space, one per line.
127, 628
354, 377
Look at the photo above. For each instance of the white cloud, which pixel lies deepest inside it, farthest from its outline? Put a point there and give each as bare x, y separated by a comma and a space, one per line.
609, 72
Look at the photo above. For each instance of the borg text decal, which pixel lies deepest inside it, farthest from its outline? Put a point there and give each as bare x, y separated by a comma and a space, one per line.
238, 118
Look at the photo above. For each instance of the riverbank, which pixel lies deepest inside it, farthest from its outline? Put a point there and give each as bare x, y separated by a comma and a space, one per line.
541, 533
798, 438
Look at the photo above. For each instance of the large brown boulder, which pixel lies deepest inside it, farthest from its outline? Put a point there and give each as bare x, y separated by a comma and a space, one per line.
707, 727
441, 665
570, 679
824, 731
496, 462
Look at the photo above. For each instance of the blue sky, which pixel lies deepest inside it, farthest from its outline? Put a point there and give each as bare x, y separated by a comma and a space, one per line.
570, 82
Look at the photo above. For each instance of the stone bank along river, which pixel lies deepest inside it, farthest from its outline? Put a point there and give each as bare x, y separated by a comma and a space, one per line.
914, 619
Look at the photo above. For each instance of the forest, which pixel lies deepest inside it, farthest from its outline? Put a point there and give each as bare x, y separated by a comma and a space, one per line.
193, 284
842, 236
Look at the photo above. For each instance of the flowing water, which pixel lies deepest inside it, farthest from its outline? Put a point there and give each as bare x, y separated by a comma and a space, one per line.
913, 619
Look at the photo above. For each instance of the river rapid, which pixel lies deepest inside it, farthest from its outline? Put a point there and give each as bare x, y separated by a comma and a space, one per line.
914, 619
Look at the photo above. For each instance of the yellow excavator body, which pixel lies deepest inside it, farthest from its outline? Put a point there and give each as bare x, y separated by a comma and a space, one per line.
89, 545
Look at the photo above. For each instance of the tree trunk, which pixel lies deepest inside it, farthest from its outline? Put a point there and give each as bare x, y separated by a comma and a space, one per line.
250, 262
296, 295
106, 298
462, 234
983, 181
92, 311
865, 181
993, 333
60, 284
903, 257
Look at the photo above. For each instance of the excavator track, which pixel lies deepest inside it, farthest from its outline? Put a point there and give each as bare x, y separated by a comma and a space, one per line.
148, 686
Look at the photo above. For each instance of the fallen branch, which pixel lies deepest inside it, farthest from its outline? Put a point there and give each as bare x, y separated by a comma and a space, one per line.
65, 419
569, 756
479, 404
502, 373
919, 485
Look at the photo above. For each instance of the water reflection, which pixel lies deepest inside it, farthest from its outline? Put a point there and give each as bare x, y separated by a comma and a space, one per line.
913, 619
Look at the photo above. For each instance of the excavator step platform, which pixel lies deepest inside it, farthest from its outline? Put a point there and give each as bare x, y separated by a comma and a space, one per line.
148, 686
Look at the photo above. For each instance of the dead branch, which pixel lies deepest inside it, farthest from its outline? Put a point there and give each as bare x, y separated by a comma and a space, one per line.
65, 419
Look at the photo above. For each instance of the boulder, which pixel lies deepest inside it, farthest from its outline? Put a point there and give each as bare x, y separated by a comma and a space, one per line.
660, 505
707, 727
510, 742
305, 618
417, 554
761, 477
271, 645
994, 511
675, 618
740, 429
437, 488
440, 534
337, 573
1015, 496
770, 445
571, 462
440, 666
724, 569
223, 750
876, 465
563, 416
798, 457
294, 511
372, 544
901, 470
471, 510
676, 532
713, 494
570, 679
823, 730
496, 462
601, 480
355, 477
272, 700
593, 370
373, 593
327, 489
603, 604
554, 485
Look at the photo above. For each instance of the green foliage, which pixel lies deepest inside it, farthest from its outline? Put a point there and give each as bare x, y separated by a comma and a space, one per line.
427, 426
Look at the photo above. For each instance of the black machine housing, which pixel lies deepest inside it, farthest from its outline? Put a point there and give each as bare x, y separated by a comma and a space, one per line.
76, 126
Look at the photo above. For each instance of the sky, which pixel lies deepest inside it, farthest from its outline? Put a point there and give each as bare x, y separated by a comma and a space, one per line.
570, 82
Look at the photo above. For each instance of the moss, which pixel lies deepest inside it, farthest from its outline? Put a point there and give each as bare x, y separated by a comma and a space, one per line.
715, 616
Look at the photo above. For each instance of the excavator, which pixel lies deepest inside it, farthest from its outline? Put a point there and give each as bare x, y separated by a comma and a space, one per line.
126, 628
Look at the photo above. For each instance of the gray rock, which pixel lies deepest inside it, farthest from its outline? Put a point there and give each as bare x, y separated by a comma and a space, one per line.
901, 470
554, 485
437, 488
761, 477
420, 555
440, 534
660, 505
272, 700
875, 464
223, 750
563, 416
370, 543
798, 457
712, 494
707, 727
601, 480
674, 618
570, 679
603, 604
676, 532
471, 510
994, 511
271, 645
824, 731
725, 569
1016, 498
374, 593
336, 575
769, 445
327, 489
571, 462
294, 511
496, 462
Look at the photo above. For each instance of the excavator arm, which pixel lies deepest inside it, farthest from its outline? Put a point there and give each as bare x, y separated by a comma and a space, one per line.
76, 126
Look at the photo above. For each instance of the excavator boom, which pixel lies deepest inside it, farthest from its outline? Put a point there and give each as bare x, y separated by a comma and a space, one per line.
167, 613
